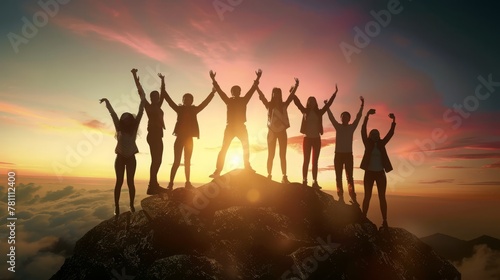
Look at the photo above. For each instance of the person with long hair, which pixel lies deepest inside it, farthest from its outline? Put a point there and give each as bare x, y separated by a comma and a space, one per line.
312, 128
376, 163
277, 124
235, 122
185, 129
344, 133
126, 133
156, 126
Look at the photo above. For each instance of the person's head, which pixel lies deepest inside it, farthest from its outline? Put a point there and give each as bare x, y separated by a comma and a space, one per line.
345, 117
236, 91
374, 135
187, 99
312, 104
126, 124
276, 96
155, 97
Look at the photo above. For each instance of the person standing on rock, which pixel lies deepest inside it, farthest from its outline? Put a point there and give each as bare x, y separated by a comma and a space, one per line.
376, 163
312, 128
126, 133
343, 150
236, 118
155, 133
185, 129
277, 124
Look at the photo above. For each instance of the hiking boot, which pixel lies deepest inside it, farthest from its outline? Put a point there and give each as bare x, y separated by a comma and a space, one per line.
269, 177
170, 186
284, 180
188, 185
384, 225
316, 186
152, 190
304, 183
132, 208
215, 174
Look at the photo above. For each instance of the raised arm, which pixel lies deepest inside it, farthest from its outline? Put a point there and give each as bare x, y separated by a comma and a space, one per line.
165, 95
360, 112
262, 98
205, 102
138, 117
298, 104
330, 101
334, 122
364, 134
139, 86
292, 92
251, 91
221, 93
112, 112
389, 134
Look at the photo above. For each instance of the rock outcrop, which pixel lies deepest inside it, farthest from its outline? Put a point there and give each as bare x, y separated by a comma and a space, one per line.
244, 226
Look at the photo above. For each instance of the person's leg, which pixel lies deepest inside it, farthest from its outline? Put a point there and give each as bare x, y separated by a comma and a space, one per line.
282, 140
156, 148
339, 164
188, 152
178, 145
228, 137
381, 180
120, 172
271, 149
131, 165
242, 135
349, 167
368, 181
316, 149
306, 149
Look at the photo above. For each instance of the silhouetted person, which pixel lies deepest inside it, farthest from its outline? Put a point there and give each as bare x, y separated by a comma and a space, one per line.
376, 163
343, 150
126, 133
185, 129
277, 123
312, 128
155, 133
236, 118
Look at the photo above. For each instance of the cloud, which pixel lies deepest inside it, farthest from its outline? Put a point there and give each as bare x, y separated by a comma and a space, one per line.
483, 183
484, 264
96, 124
6, 163
295, 142
492, 165
55, 195
437, 181
473, 156
449, 166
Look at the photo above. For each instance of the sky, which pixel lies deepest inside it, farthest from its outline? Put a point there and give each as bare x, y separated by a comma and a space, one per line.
434, 65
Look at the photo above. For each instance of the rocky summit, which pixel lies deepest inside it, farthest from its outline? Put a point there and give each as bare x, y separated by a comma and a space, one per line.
245, 226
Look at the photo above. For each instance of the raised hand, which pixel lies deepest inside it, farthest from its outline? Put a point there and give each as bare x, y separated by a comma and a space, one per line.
296, 82
258, 73
104, 100
371, 112
134, 71
212, 74
391, 115
325, 101
336, 89
161, 76
362, 99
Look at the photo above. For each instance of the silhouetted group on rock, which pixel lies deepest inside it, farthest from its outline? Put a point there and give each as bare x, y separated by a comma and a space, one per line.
375, 161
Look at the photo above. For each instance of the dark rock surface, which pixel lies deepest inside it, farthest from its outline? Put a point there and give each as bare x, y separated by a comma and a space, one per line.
244, 226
